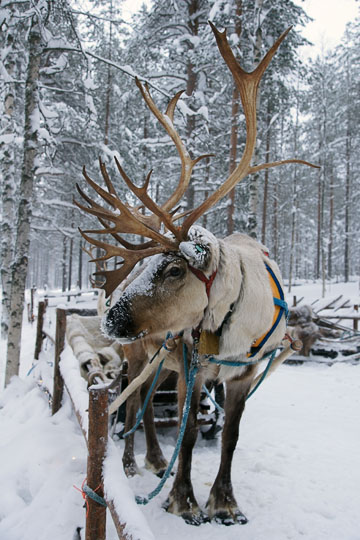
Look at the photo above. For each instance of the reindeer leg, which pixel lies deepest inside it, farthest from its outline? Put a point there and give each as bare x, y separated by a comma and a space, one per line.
221, 504
154, 459
181, 500
128, 459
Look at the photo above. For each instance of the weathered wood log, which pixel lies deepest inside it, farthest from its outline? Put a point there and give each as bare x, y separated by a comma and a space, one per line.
39, 329
97, 441
82, 312
59, 347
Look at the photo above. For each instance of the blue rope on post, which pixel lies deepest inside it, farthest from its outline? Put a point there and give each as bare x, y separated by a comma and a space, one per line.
94, 496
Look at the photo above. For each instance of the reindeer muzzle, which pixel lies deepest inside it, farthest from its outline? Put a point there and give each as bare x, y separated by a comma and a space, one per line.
118, 322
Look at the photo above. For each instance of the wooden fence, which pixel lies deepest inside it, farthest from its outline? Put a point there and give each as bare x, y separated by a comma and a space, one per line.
96, 434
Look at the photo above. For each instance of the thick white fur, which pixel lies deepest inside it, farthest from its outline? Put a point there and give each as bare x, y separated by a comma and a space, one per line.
241, 279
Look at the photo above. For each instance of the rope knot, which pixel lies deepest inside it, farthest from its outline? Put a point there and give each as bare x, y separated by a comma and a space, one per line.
87, 492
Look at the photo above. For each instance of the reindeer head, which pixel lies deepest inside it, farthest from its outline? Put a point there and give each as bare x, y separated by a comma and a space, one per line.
165, 294
168, 294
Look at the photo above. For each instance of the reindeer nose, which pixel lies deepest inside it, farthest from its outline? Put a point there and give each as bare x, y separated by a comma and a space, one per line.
118, 322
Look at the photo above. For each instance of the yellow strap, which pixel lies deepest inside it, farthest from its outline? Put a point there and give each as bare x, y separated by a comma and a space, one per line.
276, 294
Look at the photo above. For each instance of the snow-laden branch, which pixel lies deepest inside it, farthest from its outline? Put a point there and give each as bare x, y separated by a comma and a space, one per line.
58, 202
92, 16
125, 69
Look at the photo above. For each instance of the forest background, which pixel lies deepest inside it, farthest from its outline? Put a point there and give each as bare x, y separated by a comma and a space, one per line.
68, 97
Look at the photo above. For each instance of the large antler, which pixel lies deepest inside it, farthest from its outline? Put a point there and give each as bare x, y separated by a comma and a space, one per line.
247, 84
126, 219
131, 220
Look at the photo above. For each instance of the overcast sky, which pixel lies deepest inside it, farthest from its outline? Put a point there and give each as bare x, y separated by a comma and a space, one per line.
330, 18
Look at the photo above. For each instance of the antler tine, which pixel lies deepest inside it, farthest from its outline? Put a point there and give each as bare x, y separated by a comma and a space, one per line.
166, 120
247, 84
94, 283
106, 178
152, 222
125, 221
130, 259
142, 194
125, 243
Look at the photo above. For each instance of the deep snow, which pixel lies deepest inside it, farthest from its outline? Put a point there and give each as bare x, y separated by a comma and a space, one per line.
296, 468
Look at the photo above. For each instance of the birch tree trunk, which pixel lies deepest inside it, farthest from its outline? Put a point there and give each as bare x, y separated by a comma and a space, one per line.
20, 264
7, 155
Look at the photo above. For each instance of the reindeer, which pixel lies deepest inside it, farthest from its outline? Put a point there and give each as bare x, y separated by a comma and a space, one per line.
224, 296
96, 354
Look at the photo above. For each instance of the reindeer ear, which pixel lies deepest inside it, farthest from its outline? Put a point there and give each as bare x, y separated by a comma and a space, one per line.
198, 255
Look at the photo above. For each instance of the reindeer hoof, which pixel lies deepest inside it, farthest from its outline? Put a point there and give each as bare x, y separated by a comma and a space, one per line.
157, 468
131, 470
195, 519
235, 517
191, 517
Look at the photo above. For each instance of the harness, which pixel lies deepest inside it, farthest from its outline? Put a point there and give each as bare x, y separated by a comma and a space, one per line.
281, 308
191, 371
280, 304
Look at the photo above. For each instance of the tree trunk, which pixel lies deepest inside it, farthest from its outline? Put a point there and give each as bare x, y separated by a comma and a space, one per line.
266, 179
109, 82
20, 264
7, 160
331, 221
235, 105
347, 199
80, 265
63, 284
252, 223
8, 209
70, 262
294, 202
233, 152
319, 214
193, 24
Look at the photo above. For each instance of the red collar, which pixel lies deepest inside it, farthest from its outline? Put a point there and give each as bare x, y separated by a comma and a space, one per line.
200, 275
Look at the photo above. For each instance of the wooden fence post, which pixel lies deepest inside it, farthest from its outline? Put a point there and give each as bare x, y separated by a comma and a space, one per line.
32, 304
355, 321
97, 441
39, 329
59, 347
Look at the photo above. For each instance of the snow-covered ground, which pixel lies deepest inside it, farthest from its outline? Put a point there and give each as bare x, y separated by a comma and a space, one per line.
296, 468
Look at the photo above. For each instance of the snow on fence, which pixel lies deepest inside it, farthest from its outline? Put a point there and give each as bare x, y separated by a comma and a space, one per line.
44, 298
105, 474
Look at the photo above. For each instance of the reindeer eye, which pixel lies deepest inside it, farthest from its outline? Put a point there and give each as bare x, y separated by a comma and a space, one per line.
175, 271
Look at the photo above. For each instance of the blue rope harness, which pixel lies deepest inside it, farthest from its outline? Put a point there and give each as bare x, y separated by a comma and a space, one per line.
190, 376
141, 412
194, 367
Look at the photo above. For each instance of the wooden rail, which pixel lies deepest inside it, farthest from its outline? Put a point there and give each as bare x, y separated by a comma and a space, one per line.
96, 437
354, 318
